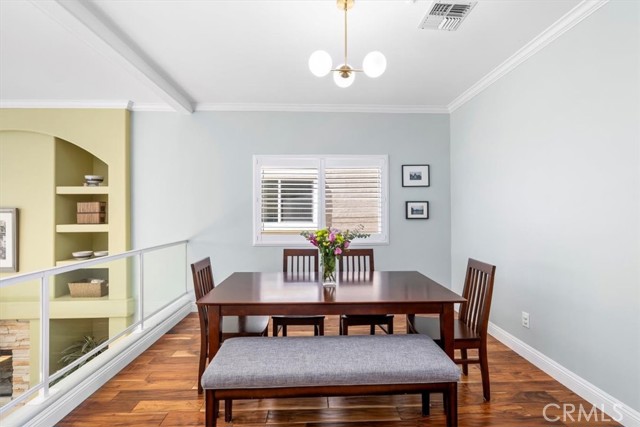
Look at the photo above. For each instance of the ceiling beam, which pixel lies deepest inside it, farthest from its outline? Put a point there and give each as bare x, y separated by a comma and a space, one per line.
97, 32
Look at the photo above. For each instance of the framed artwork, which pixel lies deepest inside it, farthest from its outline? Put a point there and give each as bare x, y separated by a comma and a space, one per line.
415, 175
8, 239
417, 210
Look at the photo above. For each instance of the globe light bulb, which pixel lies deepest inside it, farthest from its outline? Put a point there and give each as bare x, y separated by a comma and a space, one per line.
344, 77
320, 63
374, 64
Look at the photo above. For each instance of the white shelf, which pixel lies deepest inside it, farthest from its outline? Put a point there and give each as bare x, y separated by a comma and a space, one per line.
68, 261
82, 190
75, 261
82, 228
68, 297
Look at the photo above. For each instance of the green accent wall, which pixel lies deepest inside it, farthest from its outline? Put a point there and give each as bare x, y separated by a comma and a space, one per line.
42, 150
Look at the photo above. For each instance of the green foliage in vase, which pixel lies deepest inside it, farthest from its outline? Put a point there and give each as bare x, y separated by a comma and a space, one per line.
331, 244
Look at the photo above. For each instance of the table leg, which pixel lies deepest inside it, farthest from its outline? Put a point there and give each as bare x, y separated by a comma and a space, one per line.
446, 329
215, 335
215, 328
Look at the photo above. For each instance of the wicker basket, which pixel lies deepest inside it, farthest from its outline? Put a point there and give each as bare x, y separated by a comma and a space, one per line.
89, 288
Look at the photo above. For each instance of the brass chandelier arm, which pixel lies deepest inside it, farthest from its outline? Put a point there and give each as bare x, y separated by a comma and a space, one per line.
373, 65
350, 69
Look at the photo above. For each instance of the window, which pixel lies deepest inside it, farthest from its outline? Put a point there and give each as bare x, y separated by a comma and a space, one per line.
289, 199
296, 193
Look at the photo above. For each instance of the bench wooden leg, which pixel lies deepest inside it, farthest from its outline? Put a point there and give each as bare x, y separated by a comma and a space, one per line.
451, 405
228, 416
426, 404
210, 409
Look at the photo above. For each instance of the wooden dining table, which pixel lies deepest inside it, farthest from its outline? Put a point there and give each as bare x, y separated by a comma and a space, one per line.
376, 292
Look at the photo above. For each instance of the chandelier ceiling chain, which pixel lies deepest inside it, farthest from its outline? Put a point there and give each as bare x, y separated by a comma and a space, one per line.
320, 62
345, 31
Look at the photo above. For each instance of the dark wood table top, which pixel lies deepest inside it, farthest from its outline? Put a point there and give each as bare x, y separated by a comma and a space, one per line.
377, 292
378, 287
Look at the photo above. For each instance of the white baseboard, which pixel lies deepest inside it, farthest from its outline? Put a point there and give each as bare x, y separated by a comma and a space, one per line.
47, 414
615, 409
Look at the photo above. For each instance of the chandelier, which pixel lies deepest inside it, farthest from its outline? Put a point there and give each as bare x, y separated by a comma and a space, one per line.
320, 63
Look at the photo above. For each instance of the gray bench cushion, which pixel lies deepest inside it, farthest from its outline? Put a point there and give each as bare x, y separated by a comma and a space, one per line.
328, 360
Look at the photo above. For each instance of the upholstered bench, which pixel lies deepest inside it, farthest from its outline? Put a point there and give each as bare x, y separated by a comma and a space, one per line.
257, 368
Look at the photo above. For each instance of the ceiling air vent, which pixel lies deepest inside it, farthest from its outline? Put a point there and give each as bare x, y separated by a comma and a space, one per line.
446, 16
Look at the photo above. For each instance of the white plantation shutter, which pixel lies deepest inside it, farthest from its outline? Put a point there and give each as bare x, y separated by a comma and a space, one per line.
288, 199
353, 197
297, 193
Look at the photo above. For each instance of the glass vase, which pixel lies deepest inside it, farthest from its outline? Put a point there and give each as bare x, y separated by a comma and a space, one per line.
329, 271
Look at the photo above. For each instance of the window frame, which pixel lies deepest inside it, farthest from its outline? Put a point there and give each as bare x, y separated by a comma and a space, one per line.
321, 162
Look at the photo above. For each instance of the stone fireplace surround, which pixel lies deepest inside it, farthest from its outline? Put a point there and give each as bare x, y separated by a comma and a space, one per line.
14, 339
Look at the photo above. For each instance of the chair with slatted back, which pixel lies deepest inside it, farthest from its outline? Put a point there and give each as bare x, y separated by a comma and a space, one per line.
232, 326
354, 261
470, 329
299, 262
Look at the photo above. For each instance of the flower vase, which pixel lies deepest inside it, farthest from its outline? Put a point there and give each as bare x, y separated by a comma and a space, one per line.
329, 271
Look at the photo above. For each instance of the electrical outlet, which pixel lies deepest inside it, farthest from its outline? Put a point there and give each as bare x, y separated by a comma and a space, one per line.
525, 319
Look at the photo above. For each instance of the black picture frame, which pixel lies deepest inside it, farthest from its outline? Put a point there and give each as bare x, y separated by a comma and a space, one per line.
415, 176
9, 240
417, 210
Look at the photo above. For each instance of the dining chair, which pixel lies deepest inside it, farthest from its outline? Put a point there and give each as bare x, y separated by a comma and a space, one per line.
470, 328
303, 262
356, 261
232, 326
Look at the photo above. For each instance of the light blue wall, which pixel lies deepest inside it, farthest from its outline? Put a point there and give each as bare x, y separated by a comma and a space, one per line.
192, 179
546, 185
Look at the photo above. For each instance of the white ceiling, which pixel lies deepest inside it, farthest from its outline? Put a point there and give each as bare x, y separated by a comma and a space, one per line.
242, 54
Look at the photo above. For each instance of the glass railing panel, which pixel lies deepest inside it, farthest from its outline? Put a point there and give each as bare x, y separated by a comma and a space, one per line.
19, 340
92, 310
88, 306
164, 273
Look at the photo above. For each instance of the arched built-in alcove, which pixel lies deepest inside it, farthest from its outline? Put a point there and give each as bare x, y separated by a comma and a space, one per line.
44, 155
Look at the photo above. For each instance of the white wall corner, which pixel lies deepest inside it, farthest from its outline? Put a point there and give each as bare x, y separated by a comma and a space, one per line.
611, 406
562, 25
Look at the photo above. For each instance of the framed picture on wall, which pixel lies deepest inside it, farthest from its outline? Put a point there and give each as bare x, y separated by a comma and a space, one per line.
415, 175
8, 239
417, 210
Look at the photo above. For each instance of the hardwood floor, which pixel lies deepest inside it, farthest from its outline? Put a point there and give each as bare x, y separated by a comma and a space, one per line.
159, 389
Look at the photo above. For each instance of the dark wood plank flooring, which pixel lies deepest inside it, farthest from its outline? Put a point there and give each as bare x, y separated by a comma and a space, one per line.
159, 389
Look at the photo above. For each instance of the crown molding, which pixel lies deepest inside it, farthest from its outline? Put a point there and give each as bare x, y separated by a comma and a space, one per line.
50, 103
151, 107
326, 108
562, 25
84, 21
160, 107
